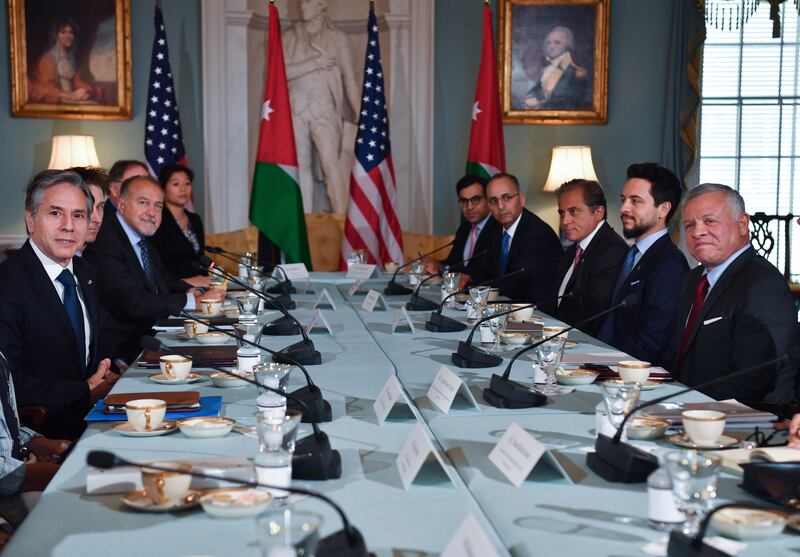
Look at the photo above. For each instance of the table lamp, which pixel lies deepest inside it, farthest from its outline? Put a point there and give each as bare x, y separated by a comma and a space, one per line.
568, 163
73, 150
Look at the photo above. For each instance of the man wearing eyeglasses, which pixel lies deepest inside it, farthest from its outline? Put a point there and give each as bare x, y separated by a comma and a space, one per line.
522, 241
471, 236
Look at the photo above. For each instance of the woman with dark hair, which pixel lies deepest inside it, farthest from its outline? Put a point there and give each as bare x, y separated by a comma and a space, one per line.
179, 240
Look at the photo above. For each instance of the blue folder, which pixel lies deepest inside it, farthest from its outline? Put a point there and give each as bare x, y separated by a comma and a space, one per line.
209, 406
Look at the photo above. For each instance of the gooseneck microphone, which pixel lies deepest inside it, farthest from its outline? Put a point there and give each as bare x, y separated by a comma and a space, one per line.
313, 458
615, 461
505, 393
417, 303
681, 545
205, 263
394, 289
347, 542
284, 285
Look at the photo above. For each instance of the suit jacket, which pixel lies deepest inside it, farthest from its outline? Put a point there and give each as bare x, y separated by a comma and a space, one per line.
130, 305
593, 280
38, 341
646, 330
569, 92
456, 255
175, 250
535, 247
748, 317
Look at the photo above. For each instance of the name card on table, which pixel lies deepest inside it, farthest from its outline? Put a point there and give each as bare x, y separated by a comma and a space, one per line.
446, 385
318, 317
353, 289
361, 271
295, 271
371, 301
403, 320
387, 402
414, 455
470, 539
518, 452
324, 299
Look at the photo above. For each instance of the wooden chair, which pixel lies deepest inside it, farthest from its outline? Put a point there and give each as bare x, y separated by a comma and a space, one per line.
766, 233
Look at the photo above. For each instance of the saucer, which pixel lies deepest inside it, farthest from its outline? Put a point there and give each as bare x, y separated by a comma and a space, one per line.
646, 386
162, 379
206, 427
126, 429
201, 315
212, 338
748, 524
141, 502
682, 440
235, 502
184, 336
225, 381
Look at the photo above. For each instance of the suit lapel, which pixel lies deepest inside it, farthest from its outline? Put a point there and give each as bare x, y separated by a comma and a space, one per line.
130, 254
90, 301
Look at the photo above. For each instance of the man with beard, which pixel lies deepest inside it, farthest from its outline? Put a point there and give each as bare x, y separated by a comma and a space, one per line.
653, 269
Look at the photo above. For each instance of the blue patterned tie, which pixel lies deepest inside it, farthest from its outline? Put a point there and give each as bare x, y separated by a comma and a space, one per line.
74, 312
627, 267
147, 265
504, 254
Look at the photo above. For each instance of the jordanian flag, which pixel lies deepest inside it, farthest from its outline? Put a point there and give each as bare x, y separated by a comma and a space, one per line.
487, 152
276, 206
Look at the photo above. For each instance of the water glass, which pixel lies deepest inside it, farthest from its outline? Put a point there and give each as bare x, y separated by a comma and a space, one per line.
548, 355
248, 308
417, 270
276, 438
286, 532
477, 296
255, 272
694, 485
275, 376
353, 259
497, 324
620, 400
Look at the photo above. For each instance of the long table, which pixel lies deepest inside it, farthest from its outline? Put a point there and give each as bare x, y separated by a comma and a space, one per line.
547, 515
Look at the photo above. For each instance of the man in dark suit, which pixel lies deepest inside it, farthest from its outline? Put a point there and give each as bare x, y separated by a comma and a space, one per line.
522, 241
134, 286
118, 173
735, 309
590, 266
472, 233
653, 269
49, 324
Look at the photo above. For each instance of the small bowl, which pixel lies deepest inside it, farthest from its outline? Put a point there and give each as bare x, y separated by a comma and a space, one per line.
235, 502
211, 338
225, 381
748, 524
516, 338
206, 427
231, 313
646, 428
576, 377
521, 314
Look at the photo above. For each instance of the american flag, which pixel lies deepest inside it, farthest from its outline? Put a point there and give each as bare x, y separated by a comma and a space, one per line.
371, 218
163, 143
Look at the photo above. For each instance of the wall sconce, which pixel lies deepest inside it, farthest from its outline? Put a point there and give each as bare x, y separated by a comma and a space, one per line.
568, 163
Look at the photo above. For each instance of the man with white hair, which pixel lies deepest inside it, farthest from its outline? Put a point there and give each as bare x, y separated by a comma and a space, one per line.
561, 83
735, 309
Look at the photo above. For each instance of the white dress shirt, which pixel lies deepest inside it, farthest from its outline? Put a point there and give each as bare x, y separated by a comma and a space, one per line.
583, 245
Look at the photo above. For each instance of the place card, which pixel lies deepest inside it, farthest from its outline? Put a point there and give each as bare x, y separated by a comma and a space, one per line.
403, 320
318, 317
295, 271
518, 452
469, 539
353, 289
361, 271
371, 301
387, 402
446, 385
324, 299
414, 455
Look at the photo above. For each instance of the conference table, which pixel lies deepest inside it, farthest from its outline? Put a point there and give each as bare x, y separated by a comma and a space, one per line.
549, 514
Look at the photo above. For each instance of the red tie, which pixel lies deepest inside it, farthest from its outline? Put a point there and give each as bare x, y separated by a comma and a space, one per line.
578, 253
699, 297
473, 237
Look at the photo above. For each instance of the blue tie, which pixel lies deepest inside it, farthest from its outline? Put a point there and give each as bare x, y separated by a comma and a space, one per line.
504, 254
627, 267
147, 265
73, 308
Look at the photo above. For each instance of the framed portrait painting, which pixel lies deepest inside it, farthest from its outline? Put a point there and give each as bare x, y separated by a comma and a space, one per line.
70, 59
554, 61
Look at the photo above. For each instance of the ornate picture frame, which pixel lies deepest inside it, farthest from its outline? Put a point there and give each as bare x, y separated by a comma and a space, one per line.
553, 61
70, 59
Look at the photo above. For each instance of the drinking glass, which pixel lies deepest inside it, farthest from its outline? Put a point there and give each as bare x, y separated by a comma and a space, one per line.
497, 324
276, 438
353, 259
548, 355
286, 532
450, 281
276, 376
478, 296
694, 485
255, 272
620, 399
362, 255
248, 308
247, 355
415, 276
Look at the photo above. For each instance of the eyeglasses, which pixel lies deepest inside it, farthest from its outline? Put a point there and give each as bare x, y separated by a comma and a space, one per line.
505, 198
763, 440
474, 200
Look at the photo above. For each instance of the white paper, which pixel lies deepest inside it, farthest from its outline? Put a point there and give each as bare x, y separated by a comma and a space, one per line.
361, 271
371, 301
402, 319
516, 454
353, 289
295, 271
469, 541
387, 398
318, 316
446, 385
324, 299
413, 455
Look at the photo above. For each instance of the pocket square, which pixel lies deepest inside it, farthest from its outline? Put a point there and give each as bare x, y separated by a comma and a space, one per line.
712, 320
634, 283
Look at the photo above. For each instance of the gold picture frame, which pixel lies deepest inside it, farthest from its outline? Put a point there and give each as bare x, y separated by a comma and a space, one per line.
70, 59
554, 61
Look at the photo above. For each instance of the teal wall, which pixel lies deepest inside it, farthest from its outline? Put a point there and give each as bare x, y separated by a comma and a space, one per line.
639, 38
25, 142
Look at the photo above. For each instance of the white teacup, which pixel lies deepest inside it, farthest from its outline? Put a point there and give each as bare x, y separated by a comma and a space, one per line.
146, 414
547, 332
391, 267
167, 488
174, 366
210, 307
193, 328
634, 371
521, 314
704, 427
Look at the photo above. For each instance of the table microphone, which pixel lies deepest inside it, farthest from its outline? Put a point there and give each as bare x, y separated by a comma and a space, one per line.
284, 285
505, 393
313, 458
681, 545
302, 351
439, 323
347, 542
416, 303
615, 461
285, 299
394, 289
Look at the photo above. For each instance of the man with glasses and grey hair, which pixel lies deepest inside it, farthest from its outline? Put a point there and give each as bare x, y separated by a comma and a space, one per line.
49, 322
735, 309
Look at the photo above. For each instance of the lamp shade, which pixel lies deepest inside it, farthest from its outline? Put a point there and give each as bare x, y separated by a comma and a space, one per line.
568, 163
73, 150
